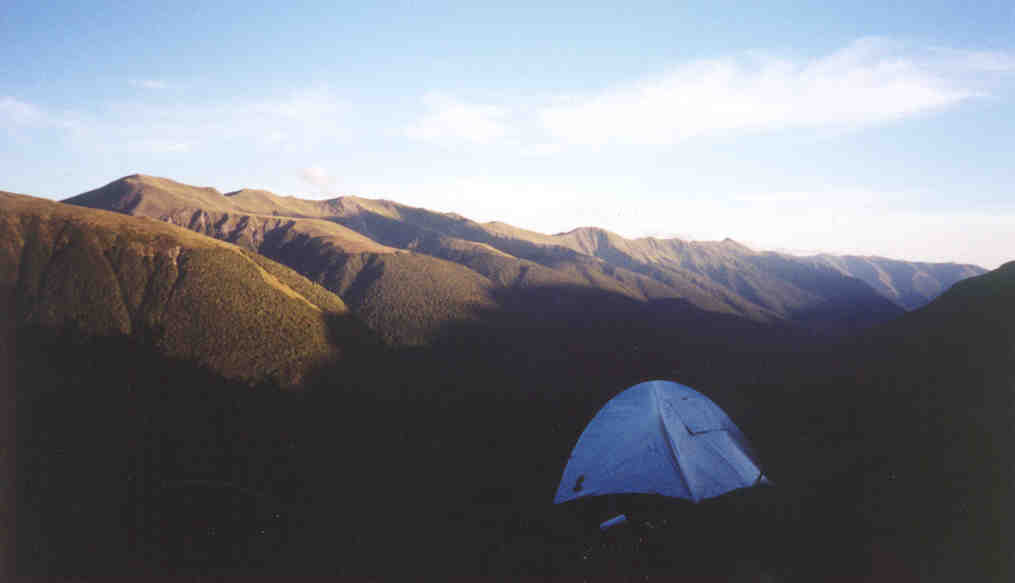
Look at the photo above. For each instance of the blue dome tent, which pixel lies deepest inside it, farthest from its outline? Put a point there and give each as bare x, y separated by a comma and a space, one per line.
660, 437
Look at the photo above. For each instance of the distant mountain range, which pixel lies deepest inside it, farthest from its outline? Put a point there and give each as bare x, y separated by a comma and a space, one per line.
409, 271
910, 284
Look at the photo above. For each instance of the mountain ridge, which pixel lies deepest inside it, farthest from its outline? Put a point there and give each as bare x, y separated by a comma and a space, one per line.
332, 241
911, 284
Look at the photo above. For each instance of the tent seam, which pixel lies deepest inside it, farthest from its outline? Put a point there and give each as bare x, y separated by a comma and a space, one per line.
669, 444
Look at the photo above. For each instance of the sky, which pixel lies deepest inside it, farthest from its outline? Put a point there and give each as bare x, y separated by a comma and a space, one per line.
843, 128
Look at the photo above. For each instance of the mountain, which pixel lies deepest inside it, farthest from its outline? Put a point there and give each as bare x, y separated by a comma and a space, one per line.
91, 273
244, 217
141, 364
405, 297
910, 284
353, 245
953, 390
789, 289
911, 428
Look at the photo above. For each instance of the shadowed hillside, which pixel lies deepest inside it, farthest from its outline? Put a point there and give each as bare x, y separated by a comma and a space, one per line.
129, 462
916, 417
949, 380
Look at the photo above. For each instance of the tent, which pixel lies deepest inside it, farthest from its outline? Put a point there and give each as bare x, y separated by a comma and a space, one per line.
660, 437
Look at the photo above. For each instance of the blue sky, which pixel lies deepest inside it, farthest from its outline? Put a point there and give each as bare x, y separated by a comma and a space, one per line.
849, 129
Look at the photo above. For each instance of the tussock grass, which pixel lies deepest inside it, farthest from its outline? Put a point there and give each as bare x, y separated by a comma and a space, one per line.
99, 274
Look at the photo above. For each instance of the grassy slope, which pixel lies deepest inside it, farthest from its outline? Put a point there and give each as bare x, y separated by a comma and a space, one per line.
407, 300
99, 273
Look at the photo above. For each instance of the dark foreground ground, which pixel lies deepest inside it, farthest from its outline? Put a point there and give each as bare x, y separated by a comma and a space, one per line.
444, 462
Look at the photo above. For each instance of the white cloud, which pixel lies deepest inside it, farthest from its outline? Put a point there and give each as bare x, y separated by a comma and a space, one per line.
869, 81
961, 60
14, 112
450, 121
300, 122
318, 177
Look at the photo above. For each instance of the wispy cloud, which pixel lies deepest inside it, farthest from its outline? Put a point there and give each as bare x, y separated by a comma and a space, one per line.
451, 121
868, 81
15, 112
320, 178
298, 122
